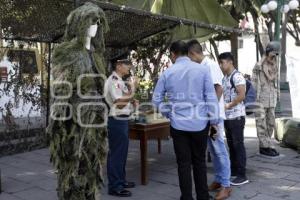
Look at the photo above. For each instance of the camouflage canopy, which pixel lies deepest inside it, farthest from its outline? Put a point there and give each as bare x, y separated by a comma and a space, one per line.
209, 12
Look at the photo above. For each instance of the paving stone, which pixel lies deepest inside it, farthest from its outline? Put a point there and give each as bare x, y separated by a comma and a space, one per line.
294, 192
36, 194
44, 152
5, 196
11, 186
293, 177
25, 164
240, 194
35, 157
261, 173
10, 171
47, 184
264, 197
271, 187
163, 178
290, 162
171, 191
272, 166
31, 176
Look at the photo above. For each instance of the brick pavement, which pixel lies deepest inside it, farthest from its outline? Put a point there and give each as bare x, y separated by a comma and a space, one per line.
30, 176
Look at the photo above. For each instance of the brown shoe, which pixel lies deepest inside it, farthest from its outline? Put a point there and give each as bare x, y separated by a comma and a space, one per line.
214, 186
223, 194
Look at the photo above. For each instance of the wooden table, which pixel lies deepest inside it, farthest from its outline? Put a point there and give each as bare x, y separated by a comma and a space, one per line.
144, 132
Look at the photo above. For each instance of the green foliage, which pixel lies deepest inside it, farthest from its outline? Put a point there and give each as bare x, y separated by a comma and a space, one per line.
19, 91
150, 59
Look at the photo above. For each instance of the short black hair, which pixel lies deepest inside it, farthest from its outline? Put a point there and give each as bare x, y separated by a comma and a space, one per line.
226, 56
194, 45
179, 48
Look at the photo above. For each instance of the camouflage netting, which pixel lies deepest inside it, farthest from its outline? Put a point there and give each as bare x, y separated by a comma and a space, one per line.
44, 21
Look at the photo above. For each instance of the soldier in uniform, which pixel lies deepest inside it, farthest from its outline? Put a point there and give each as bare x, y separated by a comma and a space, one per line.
119, 97
265, 81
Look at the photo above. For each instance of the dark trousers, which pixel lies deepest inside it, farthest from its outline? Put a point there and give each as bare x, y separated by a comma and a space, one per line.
190, 148
234, 130
117, 155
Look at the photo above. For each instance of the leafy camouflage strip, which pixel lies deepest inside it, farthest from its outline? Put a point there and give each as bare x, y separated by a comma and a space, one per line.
78, 153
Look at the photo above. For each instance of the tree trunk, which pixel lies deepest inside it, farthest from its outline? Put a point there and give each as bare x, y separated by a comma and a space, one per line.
216, 50
234, 48
255, 17
1, 41
270, 29
294, 31
256, 27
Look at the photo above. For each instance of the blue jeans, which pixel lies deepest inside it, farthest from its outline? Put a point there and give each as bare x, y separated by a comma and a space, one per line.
220, 157
117, 155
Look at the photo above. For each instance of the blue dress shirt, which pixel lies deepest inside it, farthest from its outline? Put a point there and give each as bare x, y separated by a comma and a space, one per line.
186, 95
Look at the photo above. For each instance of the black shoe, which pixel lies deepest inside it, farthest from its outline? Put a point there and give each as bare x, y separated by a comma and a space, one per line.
239, 181
268, 152
265, 151
129, 185
120, 193
275, 151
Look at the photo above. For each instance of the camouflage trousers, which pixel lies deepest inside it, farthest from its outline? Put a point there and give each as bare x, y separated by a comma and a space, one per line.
265, 125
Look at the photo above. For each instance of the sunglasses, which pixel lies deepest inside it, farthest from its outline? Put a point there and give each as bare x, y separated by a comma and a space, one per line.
97, 21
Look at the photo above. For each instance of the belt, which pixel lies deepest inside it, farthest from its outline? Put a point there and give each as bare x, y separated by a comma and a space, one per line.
120, 116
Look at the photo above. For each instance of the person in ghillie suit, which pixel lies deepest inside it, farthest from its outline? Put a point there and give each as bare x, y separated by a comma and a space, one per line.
78, 141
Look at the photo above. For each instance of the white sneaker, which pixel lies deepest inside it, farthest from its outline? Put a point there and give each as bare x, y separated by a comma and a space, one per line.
239, 181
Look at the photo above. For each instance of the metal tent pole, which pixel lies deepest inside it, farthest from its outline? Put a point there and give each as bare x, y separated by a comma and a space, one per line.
48, 84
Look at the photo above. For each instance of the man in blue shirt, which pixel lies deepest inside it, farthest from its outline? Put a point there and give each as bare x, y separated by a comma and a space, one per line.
185, 94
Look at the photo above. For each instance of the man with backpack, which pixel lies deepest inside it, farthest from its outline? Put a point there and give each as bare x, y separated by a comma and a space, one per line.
265, 79
234, 95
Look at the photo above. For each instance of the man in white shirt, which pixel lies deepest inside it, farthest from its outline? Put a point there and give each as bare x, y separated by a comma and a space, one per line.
119, 97
216, 146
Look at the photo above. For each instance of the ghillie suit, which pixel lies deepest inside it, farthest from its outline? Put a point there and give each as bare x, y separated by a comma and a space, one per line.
78, 151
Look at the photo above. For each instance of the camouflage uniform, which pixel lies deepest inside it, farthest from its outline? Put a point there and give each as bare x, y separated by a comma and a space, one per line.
267, 92
78, 150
